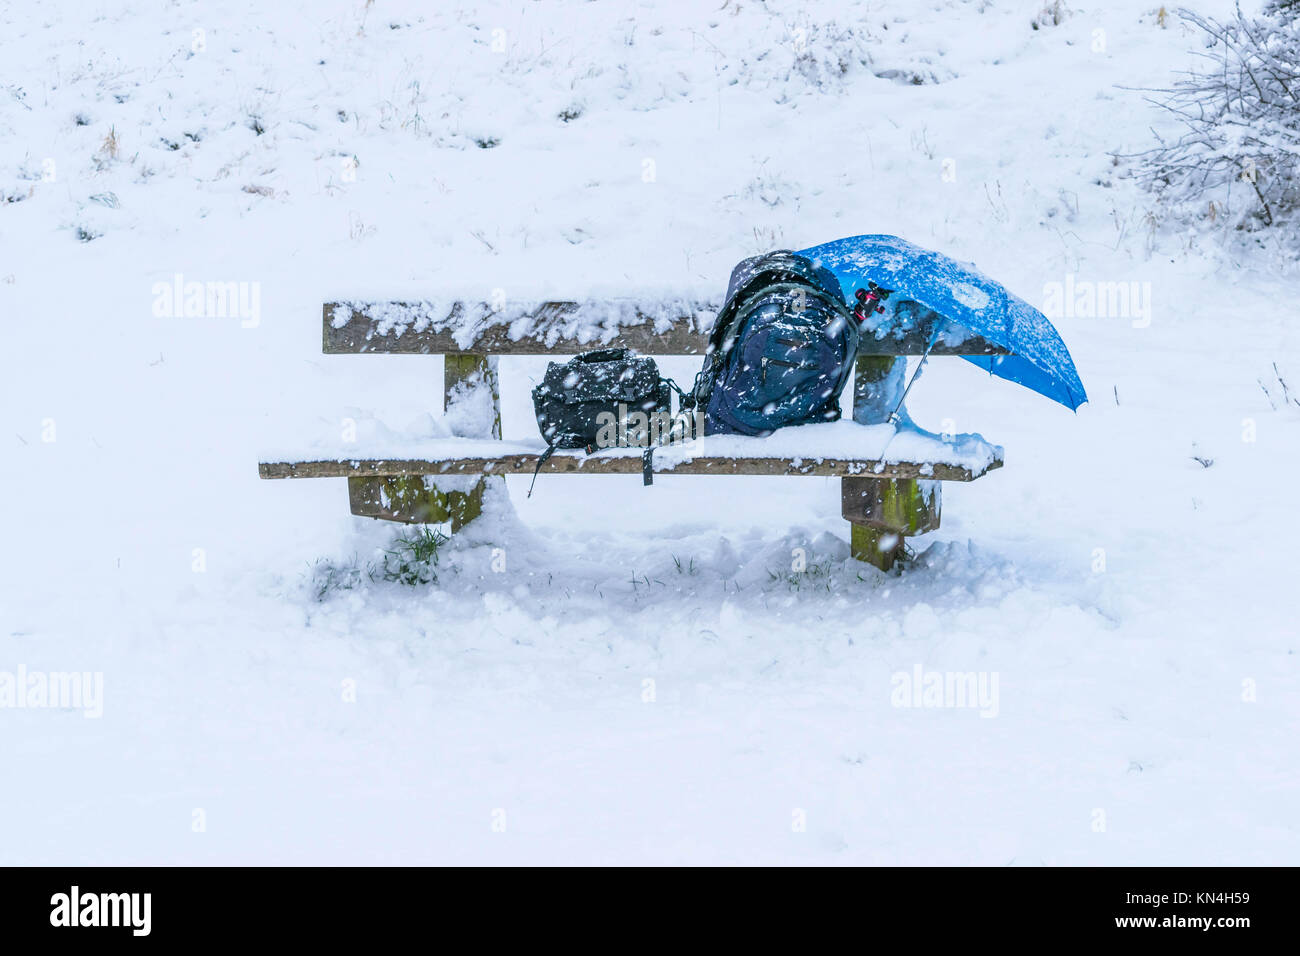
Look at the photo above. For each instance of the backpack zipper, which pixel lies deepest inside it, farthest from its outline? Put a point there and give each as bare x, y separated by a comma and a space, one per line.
765, 362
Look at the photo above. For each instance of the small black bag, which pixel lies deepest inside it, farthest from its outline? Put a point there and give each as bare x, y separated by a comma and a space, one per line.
576, 399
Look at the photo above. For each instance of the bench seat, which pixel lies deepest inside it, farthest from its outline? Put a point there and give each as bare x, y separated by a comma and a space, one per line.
609, 463
859, 450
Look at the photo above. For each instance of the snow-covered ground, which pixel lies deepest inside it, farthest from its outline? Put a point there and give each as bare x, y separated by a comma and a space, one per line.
648, 679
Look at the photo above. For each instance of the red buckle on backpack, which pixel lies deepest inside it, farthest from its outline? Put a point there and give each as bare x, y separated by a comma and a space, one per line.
869, 301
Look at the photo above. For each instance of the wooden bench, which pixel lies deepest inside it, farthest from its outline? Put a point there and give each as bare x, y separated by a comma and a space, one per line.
884, 501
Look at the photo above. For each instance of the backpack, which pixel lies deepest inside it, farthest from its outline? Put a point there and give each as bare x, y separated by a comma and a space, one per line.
589, 402
781, 351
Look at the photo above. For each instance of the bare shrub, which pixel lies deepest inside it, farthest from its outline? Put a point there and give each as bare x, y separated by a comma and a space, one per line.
1238, 156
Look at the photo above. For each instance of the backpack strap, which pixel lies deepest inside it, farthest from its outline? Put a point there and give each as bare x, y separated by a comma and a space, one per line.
550, 450
546, 455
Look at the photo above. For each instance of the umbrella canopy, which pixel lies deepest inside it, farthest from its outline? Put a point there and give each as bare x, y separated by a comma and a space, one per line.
965, 297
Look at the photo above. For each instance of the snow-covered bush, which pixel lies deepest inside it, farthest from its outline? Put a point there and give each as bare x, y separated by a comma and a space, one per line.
1237, 159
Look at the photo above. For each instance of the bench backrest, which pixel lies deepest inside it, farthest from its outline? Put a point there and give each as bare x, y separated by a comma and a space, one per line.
678, 327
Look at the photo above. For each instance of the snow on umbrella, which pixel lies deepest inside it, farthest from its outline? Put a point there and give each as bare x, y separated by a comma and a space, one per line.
965, 296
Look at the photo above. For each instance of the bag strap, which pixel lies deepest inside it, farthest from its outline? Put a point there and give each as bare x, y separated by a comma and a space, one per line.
603, 355
546, 455
674, 386
550, 450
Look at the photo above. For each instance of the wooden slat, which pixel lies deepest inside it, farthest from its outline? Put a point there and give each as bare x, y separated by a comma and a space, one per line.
562, 463
359, 334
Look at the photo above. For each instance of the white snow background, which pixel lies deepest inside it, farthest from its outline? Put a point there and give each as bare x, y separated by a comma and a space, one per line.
1147, 710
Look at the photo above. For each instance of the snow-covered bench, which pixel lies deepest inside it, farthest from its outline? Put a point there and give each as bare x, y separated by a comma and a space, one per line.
889, 477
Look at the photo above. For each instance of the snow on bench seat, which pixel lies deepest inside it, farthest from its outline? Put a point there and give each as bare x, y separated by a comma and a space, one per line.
842, 448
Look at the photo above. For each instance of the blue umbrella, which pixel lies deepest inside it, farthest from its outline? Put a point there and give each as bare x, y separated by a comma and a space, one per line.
961, 294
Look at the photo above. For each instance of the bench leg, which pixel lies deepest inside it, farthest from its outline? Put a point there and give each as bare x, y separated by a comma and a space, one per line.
464, 505
876, 546
430, 499
414, 499
877, 385
883, 511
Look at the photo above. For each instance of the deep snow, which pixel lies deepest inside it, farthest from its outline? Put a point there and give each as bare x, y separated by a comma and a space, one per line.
648, 679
